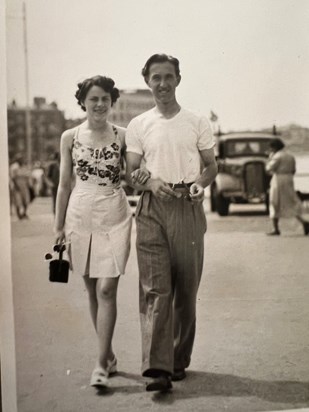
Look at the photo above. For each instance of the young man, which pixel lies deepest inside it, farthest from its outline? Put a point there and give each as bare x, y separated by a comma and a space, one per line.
177, 147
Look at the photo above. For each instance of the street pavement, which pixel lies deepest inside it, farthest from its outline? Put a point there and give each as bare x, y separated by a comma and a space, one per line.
252, 344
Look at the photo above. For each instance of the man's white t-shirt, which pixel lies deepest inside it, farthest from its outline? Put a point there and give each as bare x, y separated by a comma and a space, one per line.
170, 147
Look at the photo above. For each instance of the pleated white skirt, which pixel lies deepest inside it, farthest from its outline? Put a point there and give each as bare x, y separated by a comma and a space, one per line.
98, 229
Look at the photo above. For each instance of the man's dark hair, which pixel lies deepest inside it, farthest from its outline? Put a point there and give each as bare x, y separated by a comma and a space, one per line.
276, 144
160, 58
106, 83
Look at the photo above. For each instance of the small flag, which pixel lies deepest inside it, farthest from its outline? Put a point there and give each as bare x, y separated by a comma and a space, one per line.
213, 116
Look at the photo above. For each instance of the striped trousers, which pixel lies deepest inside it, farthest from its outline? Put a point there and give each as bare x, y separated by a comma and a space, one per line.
170, 250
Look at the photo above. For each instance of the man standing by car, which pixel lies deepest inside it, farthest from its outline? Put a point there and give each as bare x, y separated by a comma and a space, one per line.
170, 221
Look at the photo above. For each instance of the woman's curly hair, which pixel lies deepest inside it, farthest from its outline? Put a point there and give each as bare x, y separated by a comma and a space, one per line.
106, 83
276, 144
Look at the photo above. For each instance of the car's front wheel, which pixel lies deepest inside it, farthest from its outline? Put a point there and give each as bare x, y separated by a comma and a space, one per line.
213, 198
267, 204
222, 205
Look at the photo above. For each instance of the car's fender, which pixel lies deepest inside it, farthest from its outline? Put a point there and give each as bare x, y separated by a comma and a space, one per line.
226, 182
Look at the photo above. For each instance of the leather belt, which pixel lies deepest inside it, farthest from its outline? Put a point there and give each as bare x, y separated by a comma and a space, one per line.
180, 185
183, 188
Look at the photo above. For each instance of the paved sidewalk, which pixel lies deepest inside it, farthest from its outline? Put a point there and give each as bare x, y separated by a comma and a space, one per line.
252, 343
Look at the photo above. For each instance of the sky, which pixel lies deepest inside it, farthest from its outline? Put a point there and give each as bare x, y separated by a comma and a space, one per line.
247, 60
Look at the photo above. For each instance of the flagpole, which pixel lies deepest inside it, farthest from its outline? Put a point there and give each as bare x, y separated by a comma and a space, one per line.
28, 110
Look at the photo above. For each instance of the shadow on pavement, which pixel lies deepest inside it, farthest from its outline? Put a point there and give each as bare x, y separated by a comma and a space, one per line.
201, 384
248, 213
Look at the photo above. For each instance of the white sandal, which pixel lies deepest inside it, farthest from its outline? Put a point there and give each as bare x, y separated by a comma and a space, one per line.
99, 377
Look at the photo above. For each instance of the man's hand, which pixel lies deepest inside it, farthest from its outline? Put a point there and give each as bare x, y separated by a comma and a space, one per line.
140, 176
197, 193
162, 190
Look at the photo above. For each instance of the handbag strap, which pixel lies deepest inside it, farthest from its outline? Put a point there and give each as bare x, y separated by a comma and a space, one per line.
61, 250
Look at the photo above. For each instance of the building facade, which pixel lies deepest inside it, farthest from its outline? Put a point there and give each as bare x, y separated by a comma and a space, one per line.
47, 124
130, 104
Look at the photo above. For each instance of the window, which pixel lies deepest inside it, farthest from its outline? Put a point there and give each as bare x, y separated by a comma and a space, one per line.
247, 147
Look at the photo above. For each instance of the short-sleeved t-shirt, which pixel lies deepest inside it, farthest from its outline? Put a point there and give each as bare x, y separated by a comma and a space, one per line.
170, 147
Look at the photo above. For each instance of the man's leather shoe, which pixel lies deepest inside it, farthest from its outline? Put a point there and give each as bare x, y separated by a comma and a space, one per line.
178, 375
273, 233
162, 384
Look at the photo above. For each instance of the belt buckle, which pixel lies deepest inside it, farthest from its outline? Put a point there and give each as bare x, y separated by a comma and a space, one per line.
187, 194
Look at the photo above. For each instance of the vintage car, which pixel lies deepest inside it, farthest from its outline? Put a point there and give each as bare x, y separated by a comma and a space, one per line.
241, 178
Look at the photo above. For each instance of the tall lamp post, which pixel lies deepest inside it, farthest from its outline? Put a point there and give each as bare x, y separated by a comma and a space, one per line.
28, 110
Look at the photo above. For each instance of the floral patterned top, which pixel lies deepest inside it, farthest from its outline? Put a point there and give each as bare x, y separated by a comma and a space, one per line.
100, 166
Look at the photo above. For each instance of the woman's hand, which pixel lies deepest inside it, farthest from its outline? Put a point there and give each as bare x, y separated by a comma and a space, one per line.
140, 176
59, 236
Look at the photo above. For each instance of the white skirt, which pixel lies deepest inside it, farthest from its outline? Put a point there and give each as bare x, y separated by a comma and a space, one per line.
98, 230
283, 200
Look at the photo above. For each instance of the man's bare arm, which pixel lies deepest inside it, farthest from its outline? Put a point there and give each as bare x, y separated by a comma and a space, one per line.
208, 175
156, 186
210, 168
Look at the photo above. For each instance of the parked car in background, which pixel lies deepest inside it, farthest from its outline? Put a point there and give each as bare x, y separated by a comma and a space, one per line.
241, 178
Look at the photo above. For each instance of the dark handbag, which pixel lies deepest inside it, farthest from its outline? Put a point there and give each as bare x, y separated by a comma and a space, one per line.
59, 268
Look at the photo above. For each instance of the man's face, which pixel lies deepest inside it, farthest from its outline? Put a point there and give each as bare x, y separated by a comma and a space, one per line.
163, 81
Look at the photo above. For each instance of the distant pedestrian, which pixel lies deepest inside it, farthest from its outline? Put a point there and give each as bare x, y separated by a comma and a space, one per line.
38, 178
52, 177
283, 200
178, 149
21, 186
95, 218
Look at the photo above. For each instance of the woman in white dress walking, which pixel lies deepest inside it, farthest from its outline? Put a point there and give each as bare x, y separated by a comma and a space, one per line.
95, 218
283, 200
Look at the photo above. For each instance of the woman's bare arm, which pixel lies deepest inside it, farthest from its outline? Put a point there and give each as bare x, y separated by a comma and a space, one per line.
65, 182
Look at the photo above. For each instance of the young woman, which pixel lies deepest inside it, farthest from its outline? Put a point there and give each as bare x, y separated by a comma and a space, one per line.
95, 218
283, 199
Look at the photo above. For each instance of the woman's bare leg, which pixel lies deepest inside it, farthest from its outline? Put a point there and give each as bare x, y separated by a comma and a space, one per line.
106, 289
276, 224
276, 230
91, 284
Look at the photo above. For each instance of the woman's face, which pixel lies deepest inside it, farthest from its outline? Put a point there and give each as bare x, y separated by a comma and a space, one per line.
98, 103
